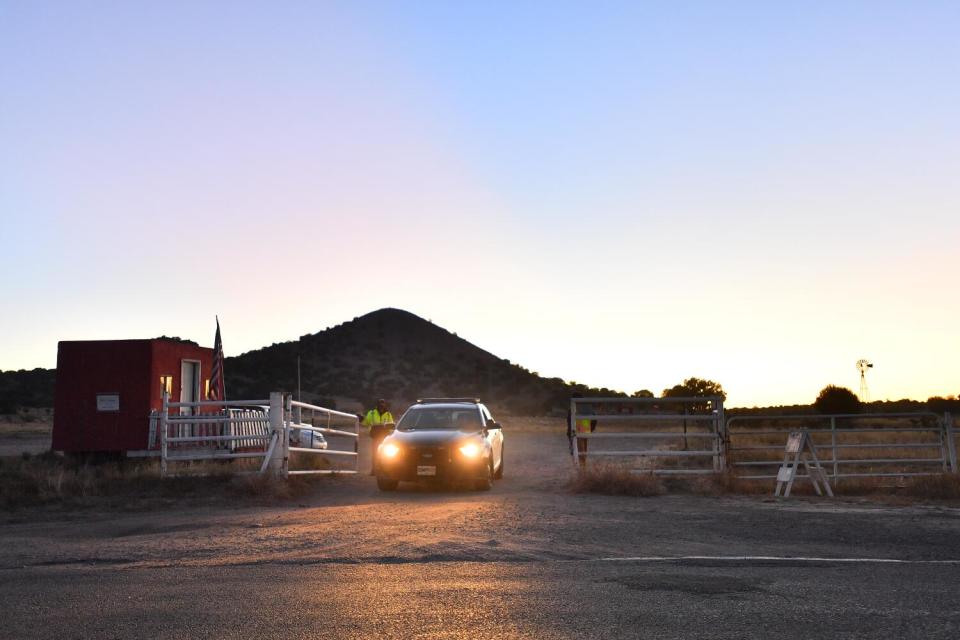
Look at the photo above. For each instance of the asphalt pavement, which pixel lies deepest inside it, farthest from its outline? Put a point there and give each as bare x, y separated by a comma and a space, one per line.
542, 599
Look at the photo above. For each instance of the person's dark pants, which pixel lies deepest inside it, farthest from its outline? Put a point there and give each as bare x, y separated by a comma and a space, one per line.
377, 434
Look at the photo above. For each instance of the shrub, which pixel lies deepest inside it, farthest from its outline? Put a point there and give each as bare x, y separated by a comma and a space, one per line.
834, 399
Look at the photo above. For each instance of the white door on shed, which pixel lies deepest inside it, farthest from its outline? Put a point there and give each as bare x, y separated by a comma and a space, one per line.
189, 383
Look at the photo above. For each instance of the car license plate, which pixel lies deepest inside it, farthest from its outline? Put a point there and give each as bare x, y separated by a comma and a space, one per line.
426, 470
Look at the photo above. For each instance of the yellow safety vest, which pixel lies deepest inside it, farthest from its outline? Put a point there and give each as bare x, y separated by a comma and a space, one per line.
583, 425
375, 417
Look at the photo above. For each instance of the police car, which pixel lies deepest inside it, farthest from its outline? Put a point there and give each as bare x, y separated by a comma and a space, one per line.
442, 440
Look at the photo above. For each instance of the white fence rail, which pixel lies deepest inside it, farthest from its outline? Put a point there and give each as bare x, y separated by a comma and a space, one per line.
268, 429
659, 431
875, 445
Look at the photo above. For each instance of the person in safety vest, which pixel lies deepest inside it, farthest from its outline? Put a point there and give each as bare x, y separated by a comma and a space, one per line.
583, 425
379, 422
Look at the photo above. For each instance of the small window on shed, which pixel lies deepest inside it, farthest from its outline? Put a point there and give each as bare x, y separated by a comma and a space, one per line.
166, 384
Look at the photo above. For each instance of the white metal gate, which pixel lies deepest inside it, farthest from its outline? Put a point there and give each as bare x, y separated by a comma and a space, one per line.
861, 445
233, 429
670, 435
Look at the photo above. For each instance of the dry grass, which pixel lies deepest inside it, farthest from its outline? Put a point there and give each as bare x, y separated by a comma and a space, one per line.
618, 480
269, 487
26, 423
615, 480
49, 479
309, 461
945, 486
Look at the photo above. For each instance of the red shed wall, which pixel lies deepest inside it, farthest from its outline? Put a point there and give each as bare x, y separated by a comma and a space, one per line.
85, 369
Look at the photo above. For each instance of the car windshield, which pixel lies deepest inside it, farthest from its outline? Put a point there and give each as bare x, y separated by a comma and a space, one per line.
465, 419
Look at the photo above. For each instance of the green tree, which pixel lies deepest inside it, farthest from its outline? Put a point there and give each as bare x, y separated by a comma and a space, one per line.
642, 393
695, 388
834, 399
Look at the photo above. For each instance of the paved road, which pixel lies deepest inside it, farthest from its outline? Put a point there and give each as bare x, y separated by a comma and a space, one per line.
524, 560
539, 599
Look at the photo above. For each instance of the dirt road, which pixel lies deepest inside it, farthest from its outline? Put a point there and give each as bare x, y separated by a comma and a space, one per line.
527, 559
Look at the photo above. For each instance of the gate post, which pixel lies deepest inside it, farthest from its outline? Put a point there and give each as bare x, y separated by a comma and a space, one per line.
279, 457
720, 461
163, 434
833, 450
572, 434
951, 441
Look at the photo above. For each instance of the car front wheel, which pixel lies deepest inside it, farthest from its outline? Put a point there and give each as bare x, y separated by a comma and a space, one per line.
485, 483
386, 484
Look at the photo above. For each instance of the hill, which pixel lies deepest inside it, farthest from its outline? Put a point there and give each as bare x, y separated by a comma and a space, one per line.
394, 354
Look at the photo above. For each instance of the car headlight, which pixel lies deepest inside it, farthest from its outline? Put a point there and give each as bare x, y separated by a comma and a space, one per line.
470, 450
389, 450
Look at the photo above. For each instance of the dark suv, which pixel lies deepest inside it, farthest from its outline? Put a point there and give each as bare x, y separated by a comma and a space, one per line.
442, 440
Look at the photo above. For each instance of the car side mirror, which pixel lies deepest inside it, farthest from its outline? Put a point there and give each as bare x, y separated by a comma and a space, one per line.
493, 424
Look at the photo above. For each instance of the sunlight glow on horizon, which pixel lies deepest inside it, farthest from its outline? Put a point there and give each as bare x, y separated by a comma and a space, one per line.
623, 196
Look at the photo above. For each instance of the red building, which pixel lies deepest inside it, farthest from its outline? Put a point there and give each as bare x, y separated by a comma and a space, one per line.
106, 390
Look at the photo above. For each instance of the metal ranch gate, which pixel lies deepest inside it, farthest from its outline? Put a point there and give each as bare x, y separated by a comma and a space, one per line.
660, 435
266, 429
695, 436
865, 445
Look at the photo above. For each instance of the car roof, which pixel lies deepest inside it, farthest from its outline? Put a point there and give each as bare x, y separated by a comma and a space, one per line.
445, 405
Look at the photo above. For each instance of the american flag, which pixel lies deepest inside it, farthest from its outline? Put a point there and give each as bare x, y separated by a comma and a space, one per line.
217, 391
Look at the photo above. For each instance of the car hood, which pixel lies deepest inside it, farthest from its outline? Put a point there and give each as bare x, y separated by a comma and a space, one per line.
428, 438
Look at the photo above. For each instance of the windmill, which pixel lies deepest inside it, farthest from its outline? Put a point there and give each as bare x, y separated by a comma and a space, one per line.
862, 366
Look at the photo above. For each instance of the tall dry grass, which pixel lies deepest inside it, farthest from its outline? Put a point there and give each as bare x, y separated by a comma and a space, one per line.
945, 486
619, 480
616, 480
50, 479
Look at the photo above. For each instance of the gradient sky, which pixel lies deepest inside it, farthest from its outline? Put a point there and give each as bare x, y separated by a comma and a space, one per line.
621, 194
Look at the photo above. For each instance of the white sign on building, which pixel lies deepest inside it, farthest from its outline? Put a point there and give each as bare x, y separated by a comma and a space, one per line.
108, 402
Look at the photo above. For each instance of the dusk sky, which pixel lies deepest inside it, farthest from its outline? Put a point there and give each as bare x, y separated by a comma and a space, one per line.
621, 194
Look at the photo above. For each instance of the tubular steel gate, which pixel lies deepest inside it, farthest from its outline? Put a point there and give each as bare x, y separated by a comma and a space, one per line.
268, 429
669, 435
336, 426
850, 445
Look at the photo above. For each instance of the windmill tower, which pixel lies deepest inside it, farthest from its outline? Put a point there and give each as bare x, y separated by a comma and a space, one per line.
862, 366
